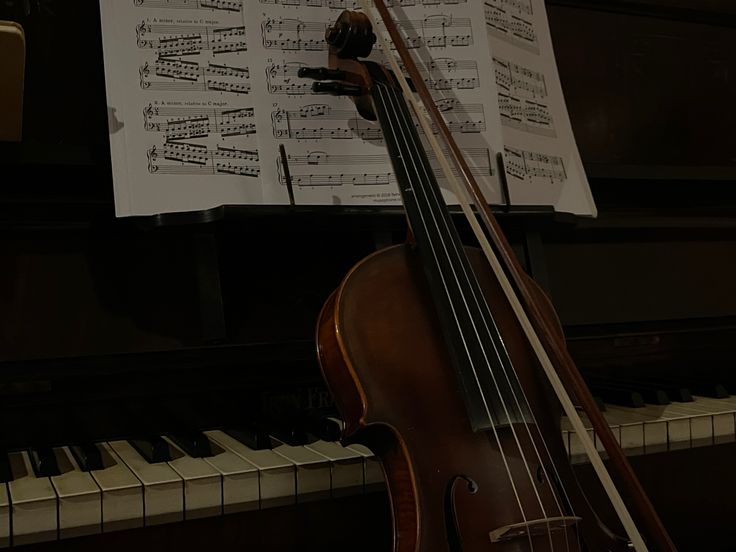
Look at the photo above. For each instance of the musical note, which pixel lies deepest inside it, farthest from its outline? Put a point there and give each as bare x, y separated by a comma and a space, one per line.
223, 5
190, 76
179, 123
512, 28
533, 167
445, 73
354, 4
518, 90
435, 31
321, 121
197, 159
187, 40
282, 78
340, 170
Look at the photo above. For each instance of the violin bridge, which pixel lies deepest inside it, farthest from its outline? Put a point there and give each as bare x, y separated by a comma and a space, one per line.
537, 527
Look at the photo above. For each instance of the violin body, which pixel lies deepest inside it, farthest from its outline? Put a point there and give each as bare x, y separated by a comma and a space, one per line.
383, 357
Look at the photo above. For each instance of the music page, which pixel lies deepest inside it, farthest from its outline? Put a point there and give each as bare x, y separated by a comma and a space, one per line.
180, 107
543, 165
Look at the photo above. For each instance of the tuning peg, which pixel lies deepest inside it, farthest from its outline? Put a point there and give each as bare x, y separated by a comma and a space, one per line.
320, 73
337, 89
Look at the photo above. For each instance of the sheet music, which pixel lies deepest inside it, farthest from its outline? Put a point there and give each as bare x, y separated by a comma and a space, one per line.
542, 161
201, 93
334, 155
182, 116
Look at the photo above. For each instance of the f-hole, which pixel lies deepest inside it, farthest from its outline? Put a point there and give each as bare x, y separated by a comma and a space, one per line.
451, 523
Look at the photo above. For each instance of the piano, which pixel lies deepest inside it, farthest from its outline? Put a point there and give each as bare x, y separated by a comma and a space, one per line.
147, 349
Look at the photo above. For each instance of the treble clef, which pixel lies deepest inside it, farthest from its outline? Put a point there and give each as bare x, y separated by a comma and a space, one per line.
152, 156
140, 31
144, 72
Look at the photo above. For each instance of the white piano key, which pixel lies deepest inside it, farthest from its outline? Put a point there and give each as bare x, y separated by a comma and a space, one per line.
277, 475
657, 428
720, 414
312, 472
80, 502
678, 433
33, 503
122, 492
202, 484
640, 430
724, 428
576, 451
163, 490
239, 480
372, 469
4, 516
346, 467
566, 441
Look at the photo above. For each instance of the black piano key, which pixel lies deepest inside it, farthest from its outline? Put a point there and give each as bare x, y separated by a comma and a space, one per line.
675, 391
651, 393
713, 390
87, 456
290, 432
152, 449
654, 396
599, 403
44, 462
322, 428
254, 437
194, 443
618, 395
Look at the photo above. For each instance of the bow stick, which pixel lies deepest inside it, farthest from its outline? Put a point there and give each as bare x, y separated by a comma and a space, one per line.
536, 326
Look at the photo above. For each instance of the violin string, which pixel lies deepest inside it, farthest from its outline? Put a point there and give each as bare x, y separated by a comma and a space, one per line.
438, 203
438, 152
507, 366
396, 113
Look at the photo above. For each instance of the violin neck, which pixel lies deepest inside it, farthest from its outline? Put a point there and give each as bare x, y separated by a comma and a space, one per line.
488, 382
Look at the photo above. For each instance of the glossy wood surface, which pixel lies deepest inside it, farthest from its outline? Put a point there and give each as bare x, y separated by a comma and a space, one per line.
383, 357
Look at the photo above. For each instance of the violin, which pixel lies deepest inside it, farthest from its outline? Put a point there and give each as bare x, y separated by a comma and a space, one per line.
430, 366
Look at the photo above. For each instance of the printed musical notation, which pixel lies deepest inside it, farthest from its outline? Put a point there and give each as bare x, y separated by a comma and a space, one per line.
196, 159
332, 168
445, 73
521, 7
282, 78
175, 74
435, 31
222, 5
513, 28
519, 81
190, 40
519, 93
183, 123
534, 167
439, 74
316, 121
354, 4
525, 115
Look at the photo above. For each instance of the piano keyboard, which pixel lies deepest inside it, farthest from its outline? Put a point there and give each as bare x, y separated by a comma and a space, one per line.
658, 428
128, 491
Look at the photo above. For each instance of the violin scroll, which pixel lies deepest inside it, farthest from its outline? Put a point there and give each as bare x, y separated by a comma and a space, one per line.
351, 36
